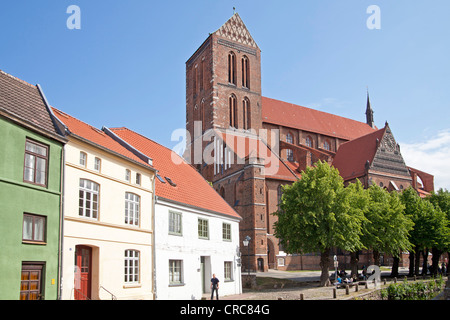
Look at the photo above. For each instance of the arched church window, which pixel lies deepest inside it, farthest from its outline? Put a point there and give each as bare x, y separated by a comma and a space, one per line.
245, 72
232, 68
233, 110
246, 113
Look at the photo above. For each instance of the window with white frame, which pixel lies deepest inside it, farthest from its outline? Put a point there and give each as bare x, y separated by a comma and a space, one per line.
34, 227
127, 175
35, 166
132, 207
138, 178
175, 272
97, 164
131, 274
203, 232
175, 223
228, 270
83, 158
226, 231
88, 199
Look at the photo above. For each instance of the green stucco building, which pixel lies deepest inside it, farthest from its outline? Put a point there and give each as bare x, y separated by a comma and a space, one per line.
31, 151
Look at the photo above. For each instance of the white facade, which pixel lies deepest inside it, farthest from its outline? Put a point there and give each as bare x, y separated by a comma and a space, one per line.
112, 242
186, 261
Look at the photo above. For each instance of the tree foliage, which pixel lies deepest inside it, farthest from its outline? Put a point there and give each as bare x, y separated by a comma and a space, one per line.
387, 229
315, 214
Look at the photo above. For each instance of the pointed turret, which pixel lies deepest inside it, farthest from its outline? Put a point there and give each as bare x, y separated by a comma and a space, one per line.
369, 113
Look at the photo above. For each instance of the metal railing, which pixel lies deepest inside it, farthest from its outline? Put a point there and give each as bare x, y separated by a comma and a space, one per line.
113, 297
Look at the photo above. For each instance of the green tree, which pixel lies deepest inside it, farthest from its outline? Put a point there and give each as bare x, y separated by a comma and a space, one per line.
358, 205
440, 222
415, 211
315, 216
387, 229
430, 230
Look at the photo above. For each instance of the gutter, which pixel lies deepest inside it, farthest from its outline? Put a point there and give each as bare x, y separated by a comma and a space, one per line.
153, 240
61, 223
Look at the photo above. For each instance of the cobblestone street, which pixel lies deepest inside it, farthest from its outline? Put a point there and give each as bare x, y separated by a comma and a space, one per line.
309, 287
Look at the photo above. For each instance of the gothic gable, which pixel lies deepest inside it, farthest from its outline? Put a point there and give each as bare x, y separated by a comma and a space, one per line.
388, 157
235, 30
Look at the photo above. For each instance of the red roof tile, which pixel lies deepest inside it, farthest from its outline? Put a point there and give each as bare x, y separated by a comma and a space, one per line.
191, 188
96, 136
352, 156
294, 116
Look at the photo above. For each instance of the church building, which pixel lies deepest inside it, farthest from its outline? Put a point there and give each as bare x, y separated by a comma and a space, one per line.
247, 145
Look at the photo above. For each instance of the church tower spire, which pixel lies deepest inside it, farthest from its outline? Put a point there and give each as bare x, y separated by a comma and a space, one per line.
369, 113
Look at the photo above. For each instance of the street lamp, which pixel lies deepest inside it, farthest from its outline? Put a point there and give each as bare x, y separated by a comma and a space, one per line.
246, 242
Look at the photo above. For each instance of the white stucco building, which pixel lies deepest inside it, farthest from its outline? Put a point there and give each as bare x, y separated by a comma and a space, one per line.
196, 231
107, 247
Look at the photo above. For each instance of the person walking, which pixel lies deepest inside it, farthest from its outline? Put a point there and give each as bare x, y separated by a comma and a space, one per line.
214, 286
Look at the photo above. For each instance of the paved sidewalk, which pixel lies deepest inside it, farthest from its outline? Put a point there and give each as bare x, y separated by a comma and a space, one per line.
309, 288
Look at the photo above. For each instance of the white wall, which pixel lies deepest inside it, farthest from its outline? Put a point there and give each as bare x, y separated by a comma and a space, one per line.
189, 248
108, 235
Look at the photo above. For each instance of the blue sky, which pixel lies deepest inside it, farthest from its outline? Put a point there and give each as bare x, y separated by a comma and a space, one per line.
126, 65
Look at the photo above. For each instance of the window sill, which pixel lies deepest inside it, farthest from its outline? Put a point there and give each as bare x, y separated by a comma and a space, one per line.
130, 286
42, 243
176, 284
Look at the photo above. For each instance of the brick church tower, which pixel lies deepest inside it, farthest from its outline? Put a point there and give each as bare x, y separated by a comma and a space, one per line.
249, 146
223, 94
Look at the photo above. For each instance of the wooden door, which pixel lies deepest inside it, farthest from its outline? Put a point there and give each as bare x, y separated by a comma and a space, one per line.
83, 257
31, 282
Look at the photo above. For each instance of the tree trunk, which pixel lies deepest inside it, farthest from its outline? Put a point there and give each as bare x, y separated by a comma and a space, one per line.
376, 257
425, 262
325, 266
354, 264
394, 272
447, 262
435, 260
417, 263
412, 256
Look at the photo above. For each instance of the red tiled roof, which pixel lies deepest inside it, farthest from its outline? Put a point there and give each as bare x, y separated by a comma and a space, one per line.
294, 116
245, 146
191, 188
96, 136
352, 156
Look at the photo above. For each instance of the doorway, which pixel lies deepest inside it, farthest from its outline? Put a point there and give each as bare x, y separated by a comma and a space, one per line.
31, 282
205, 273
83, 272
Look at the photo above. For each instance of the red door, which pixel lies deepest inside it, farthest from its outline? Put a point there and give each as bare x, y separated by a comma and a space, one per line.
83, 256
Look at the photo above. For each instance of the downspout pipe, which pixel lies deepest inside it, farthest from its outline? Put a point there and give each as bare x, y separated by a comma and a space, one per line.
154, 238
